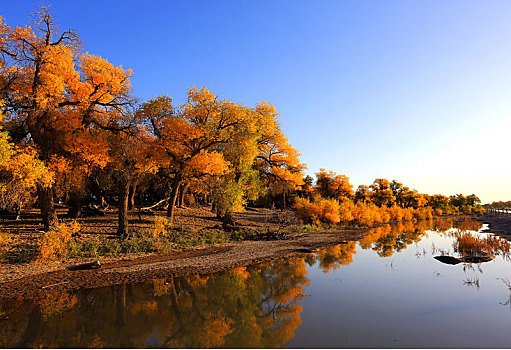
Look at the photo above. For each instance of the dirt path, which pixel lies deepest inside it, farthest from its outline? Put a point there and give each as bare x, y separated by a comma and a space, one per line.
194, 261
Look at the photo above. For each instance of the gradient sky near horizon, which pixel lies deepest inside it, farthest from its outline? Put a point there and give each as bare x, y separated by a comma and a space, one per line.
417, 91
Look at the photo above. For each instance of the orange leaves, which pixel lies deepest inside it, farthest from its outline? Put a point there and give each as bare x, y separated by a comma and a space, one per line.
54, 244
105, 80
58, 104
57, 73
86, 148
365, 214
332, 258
20, 172
330, 211
277, 159
318, 211
28, 171
331, 185
266, 116
200, 97
15, 40
381, 193
208, 136
214, 330
423, 213
5, 148
208, 163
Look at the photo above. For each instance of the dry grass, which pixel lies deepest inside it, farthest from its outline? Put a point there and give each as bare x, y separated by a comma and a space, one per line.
467, 243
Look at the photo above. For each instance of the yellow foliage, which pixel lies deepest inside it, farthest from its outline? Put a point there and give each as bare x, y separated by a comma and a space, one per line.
346, 211
332, 185
385, 214
241, 272
28, 171
423, 213
321, 210
54, 244
208, 163
407, 214
334, 257
396, 213
160, 226
329, 211
362, 214
21, 171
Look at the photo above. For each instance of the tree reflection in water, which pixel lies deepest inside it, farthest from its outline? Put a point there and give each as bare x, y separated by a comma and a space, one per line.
244, 307
332, 258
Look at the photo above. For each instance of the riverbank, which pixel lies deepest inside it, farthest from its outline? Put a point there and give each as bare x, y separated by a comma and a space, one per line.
19, 239
210, 259
24, 279
497, 224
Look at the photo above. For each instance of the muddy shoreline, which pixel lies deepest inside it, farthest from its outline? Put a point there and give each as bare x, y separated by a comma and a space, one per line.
498, 225
189, 262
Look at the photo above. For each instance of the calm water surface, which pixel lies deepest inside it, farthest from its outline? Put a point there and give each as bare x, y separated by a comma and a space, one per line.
386, 290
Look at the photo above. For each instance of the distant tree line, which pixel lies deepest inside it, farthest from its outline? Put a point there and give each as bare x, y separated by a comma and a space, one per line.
332, 200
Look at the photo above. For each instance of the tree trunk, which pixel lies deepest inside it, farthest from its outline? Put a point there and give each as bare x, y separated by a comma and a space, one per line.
228, 220
48, 213
173, 196
181, 196
283, 200
133, 192
122, 214
184, 189
75, 205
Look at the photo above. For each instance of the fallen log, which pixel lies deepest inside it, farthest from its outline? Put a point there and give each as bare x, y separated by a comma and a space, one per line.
87, 266
147, 210
155, 205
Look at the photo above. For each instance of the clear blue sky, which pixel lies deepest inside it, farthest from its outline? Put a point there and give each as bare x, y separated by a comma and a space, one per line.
417, 91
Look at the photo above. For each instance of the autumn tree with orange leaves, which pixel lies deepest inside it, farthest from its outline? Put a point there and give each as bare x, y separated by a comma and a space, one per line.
56, 98
278, 161
331, 185
185, 139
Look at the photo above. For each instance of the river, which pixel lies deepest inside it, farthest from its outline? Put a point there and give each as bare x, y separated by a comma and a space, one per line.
386, 290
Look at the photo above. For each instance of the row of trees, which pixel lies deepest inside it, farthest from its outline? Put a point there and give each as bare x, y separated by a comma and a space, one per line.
501, 205
72, 127
332, 200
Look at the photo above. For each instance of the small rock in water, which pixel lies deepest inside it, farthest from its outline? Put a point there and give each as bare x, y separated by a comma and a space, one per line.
448, 259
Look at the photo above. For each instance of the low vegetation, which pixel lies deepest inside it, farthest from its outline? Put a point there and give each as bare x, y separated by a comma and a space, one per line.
468, 243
